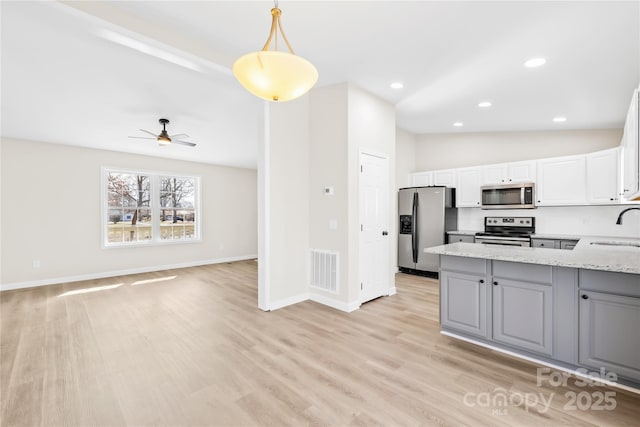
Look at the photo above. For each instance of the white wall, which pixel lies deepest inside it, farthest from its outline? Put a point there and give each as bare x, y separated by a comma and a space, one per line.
286, 204
51, 212
372, 128
454, 150
405, 157
328, 167
343, 120
563, 220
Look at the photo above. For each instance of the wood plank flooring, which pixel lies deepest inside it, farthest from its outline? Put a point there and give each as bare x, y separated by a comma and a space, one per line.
190, 347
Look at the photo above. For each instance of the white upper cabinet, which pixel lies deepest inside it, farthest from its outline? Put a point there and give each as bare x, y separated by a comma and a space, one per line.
445, 177
561, 181
505, 173
522, 171
421, 179
631, 151
603, 177
468, 187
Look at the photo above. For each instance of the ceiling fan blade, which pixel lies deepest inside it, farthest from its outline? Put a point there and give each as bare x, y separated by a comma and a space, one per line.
141, 137
190, 144
150, 133
179, 135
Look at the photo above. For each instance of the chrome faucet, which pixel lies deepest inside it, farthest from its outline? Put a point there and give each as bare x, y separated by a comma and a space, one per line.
619, 221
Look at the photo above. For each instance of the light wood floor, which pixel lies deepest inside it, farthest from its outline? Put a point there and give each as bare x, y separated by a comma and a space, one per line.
191, 348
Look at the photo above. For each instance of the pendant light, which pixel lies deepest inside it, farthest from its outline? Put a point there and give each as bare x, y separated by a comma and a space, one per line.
275, 75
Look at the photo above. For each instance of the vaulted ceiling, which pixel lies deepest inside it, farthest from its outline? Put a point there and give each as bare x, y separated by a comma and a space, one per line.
75, 73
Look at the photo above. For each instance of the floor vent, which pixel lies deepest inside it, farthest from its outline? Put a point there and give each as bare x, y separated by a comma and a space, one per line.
324, 270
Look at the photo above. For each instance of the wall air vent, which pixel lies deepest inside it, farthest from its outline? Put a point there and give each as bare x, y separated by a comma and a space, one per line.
323, 272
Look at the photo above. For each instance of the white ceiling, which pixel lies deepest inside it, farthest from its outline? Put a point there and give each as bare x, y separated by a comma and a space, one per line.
63, 82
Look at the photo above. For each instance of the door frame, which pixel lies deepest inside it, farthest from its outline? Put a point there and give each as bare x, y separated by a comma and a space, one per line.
390, 284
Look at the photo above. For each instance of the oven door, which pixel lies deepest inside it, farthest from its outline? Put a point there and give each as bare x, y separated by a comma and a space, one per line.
503, 241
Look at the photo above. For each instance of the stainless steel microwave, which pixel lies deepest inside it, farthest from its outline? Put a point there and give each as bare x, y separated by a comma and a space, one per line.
508, 196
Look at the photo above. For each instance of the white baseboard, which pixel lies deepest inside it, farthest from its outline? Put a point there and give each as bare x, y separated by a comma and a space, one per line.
338, 305
392, 291
288, 301
105, 274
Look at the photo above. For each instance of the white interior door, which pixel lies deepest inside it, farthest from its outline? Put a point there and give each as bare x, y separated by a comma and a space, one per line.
374, 227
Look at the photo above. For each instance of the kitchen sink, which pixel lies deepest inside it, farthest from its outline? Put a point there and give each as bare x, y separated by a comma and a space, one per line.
629, 244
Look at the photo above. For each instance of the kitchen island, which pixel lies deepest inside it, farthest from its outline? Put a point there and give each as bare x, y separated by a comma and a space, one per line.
574, 309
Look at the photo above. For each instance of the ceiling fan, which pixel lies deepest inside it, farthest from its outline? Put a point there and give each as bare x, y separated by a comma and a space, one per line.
164, 138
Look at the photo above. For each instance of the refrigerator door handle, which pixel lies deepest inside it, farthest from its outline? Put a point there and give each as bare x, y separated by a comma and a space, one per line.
414, 228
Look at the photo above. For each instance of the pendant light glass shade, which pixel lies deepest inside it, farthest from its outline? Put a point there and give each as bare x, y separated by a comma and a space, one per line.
274, 75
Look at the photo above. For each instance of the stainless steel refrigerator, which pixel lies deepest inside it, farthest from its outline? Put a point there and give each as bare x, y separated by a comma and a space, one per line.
426, 214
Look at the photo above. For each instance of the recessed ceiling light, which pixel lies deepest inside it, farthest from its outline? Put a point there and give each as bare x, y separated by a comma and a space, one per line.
559, 119
484, 104
396, 85
535, 62
458, 124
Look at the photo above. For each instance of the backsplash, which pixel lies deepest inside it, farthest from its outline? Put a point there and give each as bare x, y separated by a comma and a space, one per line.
572, 220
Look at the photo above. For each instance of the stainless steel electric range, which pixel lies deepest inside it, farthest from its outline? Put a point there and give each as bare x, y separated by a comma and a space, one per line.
507, 231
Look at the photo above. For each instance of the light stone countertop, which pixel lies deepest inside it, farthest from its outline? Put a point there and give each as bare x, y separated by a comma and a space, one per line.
623, 259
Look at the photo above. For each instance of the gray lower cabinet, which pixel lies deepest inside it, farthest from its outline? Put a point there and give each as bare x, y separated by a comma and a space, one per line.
464, 299
610, 333
537, 242
545, 243
523, 315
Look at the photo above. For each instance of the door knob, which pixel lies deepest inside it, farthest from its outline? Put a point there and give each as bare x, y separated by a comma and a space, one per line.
585, 296
495, 283
384, 233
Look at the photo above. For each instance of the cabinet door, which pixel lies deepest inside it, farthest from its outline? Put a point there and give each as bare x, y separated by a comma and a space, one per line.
468, 188
561, 181
609, 333
521, 171
631, 150
421, 179
522, 314
603, 178
494, 174
445, 177
463, 302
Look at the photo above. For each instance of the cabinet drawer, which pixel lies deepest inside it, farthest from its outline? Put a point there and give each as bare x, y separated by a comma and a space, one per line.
517, 271
568, 244
465, 238
545, 243
610, 282
463, 264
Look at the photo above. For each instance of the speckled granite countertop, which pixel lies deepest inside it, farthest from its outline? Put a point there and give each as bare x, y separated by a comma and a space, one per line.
623, 259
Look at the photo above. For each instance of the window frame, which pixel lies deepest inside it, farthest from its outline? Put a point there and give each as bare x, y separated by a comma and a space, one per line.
155, 208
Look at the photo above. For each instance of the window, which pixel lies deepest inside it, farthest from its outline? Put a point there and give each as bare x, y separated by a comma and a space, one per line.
148, 208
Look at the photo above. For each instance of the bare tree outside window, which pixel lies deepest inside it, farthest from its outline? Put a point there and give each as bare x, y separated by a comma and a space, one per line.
177, 207
129, 202
144, 207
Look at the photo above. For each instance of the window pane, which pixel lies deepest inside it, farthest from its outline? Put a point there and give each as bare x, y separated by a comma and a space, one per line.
130, 216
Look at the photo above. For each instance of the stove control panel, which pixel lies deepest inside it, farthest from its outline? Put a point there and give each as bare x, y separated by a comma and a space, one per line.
509, 221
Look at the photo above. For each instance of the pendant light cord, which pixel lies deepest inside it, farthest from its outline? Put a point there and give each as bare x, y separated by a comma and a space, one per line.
275, 26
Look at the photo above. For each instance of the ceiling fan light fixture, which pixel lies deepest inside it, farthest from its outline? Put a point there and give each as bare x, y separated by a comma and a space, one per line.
164, 139
274, 75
